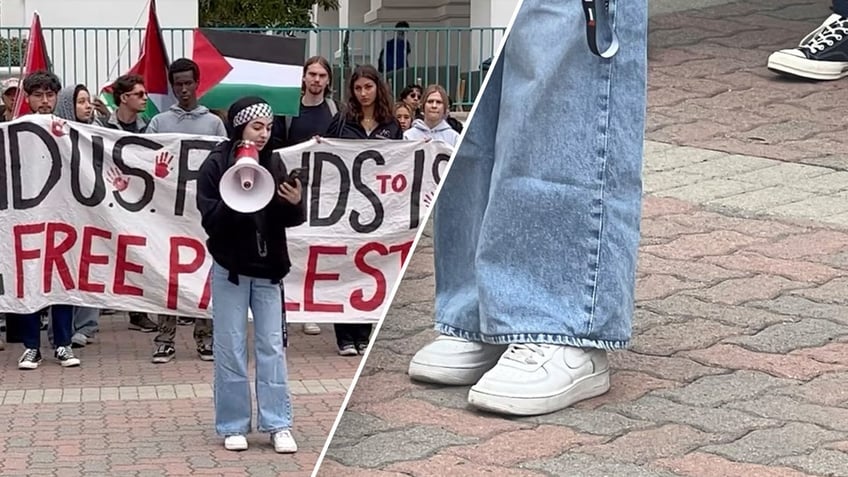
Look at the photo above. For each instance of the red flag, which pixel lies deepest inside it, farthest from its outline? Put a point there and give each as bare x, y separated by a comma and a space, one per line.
36, 60
152, 65
212, 65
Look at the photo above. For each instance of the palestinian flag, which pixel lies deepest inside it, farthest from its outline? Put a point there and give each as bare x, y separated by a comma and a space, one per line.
36, 60
234, 65
152, 65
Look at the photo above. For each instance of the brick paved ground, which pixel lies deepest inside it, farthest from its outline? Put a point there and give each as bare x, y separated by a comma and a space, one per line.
120, 415
739, 365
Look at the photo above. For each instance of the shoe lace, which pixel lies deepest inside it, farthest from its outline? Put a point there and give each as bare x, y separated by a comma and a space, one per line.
30, 355
64, 352
827, 36
526, 353
162, 349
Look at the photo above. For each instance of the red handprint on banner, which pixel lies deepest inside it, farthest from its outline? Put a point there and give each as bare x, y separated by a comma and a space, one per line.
118, 181
58, 127
163, 164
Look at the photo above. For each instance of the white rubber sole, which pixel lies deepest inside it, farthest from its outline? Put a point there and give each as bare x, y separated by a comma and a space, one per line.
811, 69
285, 450
446, 376
584, 388
236, 446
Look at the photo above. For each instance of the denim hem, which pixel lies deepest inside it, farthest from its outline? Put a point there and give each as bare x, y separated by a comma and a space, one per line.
538, 338
274, 430
232, 433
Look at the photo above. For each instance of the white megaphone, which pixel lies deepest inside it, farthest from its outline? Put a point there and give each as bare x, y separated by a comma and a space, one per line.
247, 186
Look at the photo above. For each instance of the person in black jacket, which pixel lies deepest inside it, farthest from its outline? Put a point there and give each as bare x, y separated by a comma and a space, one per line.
369, 115
250, 260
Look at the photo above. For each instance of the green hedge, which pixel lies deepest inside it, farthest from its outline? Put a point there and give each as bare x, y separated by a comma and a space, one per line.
12, 51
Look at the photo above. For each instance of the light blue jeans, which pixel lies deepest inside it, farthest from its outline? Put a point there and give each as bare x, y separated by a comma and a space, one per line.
537, 224
233, 404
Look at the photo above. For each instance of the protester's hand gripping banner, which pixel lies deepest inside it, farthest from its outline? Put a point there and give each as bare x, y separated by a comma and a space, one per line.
107, 219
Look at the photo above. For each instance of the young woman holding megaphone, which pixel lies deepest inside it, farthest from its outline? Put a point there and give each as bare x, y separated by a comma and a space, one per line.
246, 202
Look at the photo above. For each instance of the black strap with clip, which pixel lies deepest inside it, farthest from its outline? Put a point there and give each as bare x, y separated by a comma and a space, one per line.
593, 17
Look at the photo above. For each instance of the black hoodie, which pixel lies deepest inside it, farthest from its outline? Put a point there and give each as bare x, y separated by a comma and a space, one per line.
254, 244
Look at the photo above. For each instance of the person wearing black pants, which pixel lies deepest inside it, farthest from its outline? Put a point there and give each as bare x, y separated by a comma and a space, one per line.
369, 114
42, 90
63, 318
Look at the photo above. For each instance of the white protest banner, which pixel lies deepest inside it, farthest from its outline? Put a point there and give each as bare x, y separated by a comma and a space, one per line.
107, 219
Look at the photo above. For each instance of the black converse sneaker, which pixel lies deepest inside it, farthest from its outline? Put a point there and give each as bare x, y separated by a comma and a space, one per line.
66, 357
163, 353
821, 55
205, 352
30, 359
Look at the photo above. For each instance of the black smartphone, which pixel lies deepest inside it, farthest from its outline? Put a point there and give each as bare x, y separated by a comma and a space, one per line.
298, 173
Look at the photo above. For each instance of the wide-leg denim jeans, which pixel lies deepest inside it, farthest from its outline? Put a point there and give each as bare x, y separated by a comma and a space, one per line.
537, 224
233, 405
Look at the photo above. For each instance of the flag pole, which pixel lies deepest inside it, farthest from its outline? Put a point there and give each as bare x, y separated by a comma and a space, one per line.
124, 48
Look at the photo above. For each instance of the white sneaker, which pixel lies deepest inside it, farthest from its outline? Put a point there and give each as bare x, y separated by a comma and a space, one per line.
533, 379
235, 443
79, 340
311, 329
454, 361
284, 442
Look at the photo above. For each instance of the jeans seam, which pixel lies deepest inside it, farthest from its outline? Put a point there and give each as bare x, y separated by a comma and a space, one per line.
603, 154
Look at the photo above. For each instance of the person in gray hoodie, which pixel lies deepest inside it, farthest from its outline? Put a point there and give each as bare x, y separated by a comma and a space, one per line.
434, 125
73, 104
185, 117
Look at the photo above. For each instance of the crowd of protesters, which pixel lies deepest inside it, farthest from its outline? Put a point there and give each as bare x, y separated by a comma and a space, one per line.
369, 112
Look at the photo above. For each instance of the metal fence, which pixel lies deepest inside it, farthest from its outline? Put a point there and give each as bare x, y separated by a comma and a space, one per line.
451, 56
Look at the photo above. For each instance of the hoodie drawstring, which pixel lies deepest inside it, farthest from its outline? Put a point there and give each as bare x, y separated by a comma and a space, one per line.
605, 15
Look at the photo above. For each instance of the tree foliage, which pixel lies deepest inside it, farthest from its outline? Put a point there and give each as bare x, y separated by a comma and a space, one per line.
261, 13
12, 51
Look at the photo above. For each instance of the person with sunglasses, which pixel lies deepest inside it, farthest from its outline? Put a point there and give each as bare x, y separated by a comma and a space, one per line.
411, 96
130, 97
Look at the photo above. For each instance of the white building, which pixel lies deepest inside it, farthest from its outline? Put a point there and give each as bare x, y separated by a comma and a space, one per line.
93, 41
482, 14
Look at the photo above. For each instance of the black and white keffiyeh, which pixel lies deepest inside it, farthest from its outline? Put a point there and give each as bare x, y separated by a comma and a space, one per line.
254, 111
